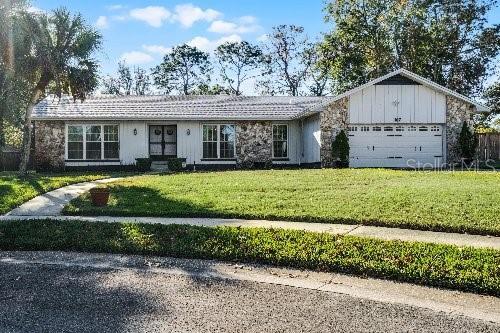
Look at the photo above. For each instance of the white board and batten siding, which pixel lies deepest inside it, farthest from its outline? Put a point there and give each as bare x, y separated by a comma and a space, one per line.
399, 126
384, 104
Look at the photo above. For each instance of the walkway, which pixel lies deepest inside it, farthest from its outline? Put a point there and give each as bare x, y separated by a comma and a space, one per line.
50, 205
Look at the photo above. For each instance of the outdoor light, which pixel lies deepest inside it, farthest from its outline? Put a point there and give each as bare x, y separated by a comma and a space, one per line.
188, 131
135, 131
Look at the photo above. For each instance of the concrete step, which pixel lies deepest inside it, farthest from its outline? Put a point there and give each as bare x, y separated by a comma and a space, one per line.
159, 166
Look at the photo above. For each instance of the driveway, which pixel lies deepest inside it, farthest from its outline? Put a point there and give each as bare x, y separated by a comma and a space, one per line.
49, 292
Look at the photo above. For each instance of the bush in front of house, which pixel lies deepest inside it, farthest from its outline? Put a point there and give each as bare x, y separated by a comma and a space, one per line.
340, 150
175, 164
423, 263
143, 164
467, 144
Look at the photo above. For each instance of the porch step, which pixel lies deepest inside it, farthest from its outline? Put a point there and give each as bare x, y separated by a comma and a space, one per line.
159, 166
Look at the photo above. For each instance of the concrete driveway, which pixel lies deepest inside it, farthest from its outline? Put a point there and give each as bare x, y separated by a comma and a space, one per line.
58, 292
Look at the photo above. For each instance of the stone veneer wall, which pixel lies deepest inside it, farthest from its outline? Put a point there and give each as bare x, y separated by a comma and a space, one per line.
254, 141
457, 111
49, 145
333, 119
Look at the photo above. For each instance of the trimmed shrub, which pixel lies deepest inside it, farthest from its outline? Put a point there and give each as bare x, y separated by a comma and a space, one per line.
467, 144
143, 164
340, 150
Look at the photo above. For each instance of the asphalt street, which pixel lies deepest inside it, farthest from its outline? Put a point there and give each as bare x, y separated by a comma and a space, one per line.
59, 297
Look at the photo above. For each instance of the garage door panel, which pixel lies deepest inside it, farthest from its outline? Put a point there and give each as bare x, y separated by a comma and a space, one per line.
395, 146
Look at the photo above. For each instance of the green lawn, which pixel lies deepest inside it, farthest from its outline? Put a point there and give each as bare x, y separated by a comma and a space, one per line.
14, 190
441, 201
447, 266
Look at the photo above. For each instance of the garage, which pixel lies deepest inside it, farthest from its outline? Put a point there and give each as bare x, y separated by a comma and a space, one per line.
396, 146
397, 123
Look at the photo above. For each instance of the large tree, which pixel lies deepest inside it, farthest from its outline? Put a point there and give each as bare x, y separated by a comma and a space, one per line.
127, 81
182, 70
54, 56
448, 42
288, 62
239, 62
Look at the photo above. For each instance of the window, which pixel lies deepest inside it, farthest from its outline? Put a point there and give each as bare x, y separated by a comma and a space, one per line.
111, 142
365, 128
87, 142
280, 141
400, 129
377, 128
423, 129
227, 136
353, 128
218, 141
75, 142
434, 128
388, 129
412, 128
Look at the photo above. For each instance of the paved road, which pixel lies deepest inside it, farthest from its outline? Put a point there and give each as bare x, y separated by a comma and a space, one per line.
38, 296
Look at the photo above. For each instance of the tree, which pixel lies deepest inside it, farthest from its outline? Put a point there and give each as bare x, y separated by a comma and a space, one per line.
238, 63
318, 83
182, 70
492, 97
287, 61
467, 144
205, 89
55, 56
340, 149
448, 42
124, 83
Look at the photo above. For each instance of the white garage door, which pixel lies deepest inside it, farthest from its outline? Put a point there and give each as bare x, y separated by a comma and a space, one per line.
396, 146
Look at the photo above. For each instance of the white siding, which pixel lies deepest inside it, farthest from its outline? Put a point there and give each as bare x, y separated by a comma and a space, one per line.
311, 136
133, 146
414, 104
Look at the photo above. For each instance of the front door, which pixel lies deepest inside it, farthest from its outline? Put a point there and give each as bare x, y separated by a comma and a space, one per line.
162, 141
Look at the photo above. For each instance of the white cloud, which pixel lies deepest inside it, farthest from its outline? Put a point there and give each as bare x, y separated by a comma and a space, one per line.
207, 45
152, 15
263, 38
157, 49
115, 7
244, 24
35, 10
136, 58
188, 14
102, 22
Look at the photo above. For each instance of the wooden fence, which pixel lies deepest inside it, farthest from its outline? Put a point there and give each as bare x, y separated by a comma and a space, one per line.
489, 146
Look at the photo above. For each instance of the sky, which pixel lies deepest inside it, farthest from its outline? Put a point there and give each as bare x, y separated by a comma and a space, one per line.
139, 32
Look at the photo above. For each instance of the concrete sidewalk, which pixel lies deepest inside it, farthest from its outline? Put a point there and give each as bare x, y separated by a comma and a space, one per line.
336, 229
50, 205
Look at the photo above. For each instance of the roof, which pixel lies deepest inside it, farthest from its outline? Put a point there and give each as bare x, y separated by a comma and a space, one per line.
419, 79
176, 108
223, 107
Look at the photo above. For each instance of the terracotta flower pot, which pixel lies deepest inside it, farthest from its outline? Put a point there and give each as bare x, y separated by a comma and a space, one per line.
99, 196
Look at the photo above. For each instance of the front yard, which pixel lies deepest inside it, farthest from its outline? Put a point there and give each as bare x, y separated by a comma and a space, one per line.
440, 201
14, 191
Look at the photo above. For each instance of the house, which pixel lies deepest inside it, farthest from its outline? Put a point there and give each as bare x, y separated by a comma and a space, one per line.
400, 120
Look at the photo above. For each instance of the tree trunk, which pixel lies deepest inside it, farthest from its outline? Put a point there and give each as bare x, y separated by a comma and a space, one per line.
35, 97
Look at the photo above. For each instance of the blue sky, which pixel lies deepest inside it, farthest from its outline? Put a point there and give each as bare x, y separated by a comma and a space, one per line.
139, 31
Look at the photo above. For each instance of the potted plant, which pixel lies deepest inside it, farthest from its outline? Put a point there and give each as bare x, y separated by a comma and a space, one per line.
99, 196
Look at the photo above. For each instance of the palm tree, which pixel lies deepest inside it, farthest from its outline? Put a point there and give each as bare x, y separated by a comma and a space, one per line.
55, 55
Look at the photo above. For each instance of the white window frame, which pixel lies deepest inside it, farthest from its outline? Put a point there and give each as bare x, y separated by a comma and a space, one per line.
218, 142
287, 140
85, 142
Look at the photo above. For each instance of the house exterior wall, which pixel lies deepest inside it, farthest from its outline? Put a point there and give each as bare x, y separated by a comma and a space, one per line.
311, 139
49, 145
333, 119
414, 104
457, 111
253, 143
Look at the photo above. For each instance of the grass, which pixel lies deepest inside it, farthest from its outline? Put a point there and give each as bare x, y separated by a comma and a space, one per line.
467, 269
439, 201
15, 190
